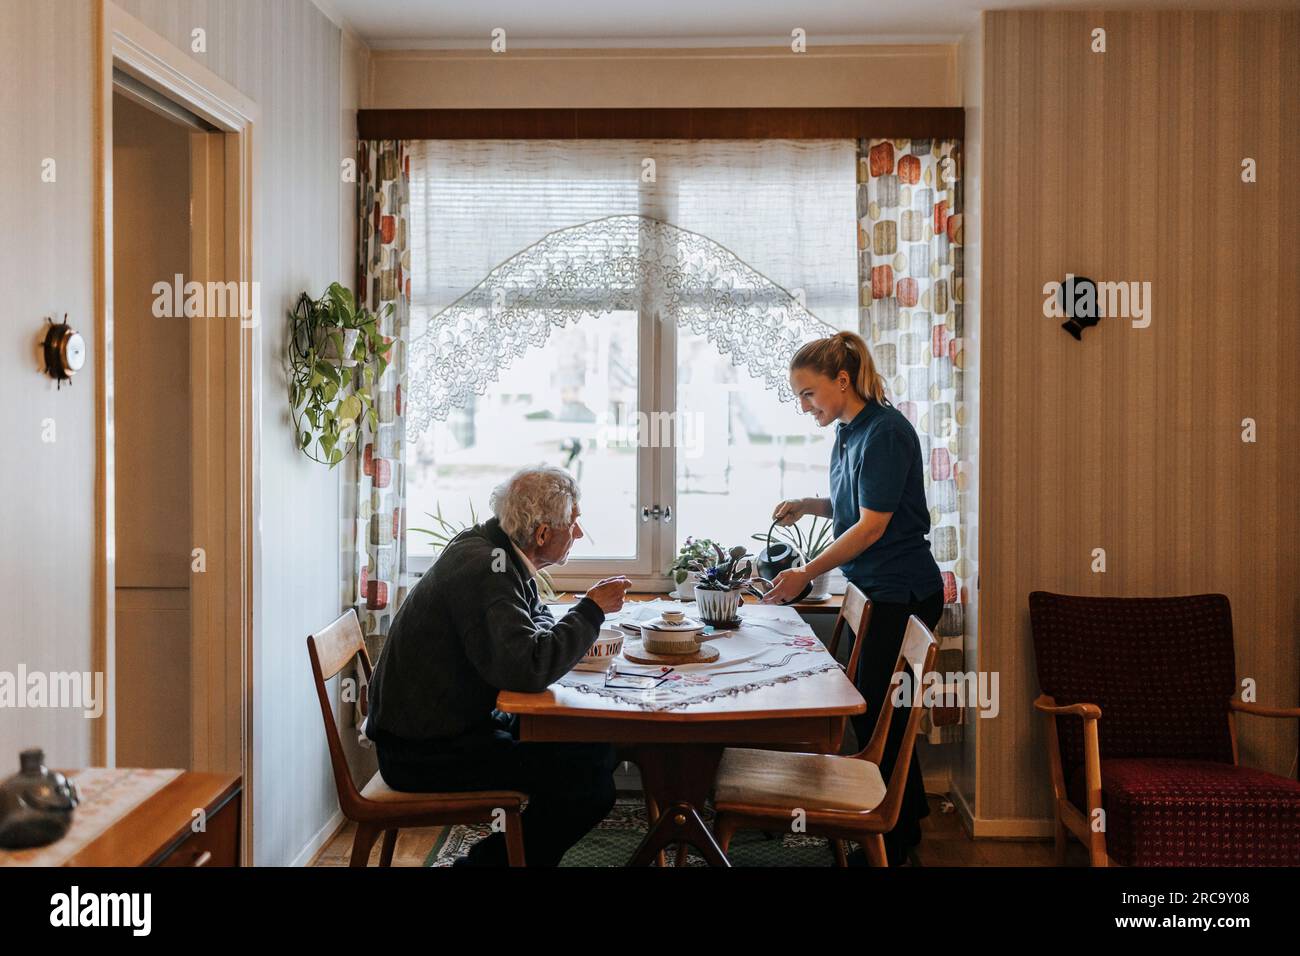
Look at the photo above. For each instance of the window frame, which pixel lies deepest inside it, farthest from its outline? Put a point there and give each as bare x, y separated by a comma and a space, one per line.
657, 368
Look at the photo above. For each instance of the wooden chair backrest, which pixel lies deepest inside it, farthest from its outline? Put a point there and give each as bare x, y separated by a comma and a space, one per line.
917, 654
331, 650
855, 614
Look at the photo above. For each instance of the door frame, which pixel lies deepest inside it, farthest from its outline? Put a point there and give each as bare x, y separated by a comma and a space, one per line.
226, 450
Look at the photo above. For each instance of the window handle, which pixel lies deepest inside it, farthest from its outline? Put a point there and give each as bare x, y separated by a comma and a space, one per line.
657, 513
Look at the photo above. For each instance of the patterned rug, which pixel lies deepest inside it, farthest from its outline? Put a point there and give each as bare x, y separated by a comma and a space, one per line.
616, 838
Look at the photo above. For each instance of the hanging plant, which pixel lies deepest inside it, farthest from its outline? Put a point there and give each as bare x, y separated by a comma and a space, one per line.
336, 356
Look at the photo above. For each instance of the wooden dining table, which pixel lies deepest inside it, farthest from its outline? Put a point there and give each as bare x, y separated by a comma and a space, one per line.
678, 749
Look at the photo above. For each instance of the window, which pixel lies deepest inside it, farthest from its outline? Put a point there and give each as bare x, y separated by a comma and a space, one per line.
647, 412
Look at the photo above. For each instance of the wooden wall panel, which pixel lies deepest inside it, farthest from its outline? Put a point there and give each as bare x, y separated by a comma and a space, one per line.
1125, 166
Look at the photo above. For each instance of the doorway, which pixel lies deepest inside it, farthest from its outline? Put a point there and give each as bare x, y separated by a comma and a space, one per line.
178, 327
152, 432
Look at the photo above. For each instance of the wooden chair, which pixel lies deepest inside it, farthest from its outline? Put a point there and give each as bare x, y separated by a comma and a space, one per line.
378, 808
1157, 781
855, 614
842, 798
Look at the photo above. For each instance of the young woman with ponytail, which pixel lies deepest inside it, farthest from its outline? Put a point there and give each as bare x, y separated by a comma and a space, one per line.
880, 518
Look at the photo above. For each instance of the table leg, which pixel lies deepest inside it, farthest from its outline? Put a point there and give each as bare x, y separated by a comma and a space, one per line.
678, 777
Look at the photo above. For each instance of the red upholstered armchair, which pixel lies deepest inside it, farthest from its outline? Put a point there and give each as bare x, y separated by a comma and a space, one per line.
1140, 697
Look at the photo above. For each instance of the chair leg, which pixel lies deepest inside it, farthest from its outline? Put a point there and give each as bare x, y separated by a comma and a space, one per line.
386, 852
515, 838
874, 844
1061, 840
1097, 855
362, 844
837, 847
652, 814
724, 826
682, 851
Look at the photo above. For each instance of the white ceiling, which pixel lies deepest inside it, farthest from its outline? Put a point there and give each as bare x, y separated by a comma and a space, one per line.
457, 24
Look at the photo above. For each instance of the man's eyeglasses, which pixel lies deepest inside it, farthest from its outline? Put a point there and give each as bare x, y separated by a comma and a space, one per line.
616, 679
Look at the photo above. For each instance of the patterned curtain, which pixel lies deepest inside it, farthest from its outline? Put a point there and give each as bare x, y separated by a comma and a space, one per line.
910, 310
375, 504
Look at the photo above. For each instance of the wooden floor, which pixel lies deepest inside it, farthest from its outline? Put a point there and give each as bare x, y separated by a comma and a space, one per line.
945, 844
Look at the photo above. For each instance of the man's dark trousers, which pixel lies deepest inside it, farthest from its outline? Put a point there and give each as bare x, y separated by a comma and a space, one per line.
570, 787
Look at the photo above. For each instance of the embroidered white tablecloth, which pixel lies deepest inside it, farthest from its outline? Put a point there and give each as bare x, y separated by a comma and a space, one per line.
772, 645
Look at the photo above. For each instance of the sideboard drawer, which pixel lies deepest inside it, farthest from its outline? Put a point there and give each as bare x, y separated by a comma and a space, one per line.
218, 845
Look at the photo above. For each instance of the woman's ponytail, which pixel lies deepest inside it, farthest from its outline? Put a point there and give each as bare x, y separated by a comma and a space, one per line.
844, 352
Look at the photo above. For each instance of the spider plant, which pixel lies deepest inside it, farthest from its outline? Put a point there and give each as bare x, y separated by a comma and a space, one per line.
444, 530
810, 545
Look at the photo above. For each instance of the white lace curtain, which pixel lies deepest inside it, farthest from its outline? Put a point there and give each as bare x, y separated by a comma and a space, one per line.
771, 221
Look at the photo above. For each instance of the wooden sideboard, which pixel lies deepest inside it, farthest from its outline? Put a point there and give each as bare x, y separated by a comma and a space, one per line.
159, 831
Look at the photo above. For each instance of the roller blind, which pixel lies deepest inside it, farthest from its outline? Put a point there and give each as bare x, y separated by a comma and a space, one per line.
786, 207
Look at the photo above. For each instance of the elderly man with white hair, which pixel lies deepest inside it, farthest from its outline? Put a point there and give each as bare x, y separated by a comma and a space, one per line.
474, 626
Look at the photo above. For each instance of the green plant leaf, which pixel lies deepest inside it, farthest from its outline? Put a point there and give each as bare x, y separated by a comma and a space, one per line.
350, 407
327, 372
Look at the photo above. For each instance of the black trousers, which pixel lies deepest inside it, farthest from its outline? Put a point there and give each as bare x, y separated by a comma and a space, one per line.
880, 650
570, 787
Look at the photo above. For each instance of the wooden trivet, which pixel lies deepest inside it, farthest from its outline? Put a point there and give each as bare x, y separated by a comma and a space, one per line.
635, 652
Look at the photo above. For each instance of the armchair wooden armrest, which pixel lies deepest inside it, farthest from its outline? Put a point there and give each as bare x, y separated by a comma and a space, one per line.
1261, 710
1236, 706
1068, 816
1049, 706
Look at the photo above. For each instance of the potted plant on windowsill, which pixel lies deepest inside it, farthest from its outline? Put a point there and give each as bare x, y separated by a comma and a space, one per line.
696, 556
808, 546
718, 593
330, 397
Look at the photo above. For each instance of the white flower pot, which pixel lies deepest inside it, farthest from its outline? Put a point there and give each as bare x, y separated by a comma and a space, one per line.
717, 607
821, 587
686, 590
328, 351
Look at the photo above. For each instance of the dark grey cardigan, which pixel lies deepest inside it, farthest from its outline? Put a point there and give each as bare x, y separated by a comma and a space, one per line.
471, 627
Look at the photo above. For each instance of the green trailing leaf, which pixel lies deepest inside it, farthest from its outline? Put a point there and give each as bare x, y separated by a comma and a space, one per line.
328, 372
350, 407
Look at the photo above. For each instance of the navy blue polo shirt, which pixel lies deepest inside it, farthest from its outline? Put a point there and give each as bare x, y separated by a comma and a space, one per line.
876, 464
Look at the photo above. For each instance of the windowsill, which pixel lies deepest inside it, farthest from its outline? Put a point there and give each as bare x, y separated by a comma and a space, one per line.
830, 606
644, 587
